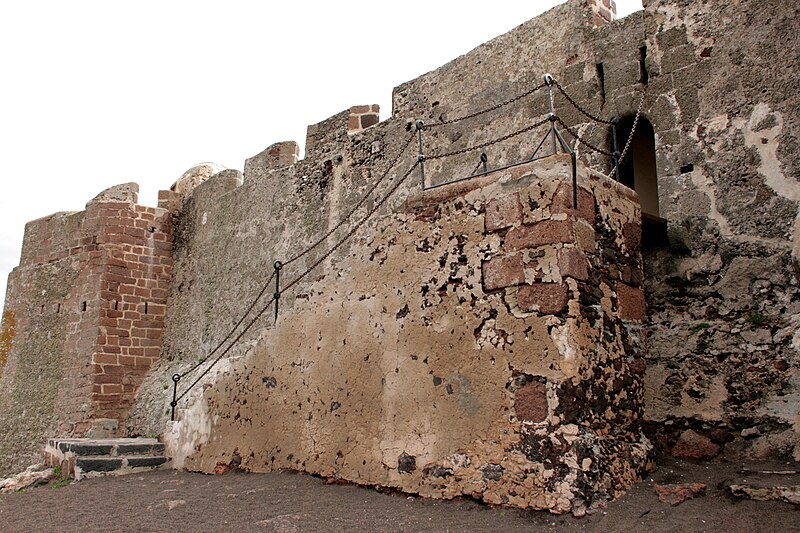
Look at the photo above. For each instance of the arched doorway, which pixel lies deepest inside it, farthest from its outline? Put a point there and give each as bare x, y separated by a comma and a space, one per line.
639, 172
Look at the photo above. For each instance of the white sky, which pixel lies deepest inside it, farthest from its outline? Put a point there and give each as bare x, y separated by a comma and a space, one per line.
94, 93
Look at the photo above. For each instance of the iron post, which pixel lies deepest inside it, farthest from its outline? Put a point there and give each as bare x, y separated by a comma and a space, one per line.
421, 156
278, 266
175, 379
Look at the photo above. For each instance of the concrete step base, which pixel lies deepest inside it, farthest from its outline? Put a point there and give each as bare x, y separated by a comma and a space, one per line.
80, 458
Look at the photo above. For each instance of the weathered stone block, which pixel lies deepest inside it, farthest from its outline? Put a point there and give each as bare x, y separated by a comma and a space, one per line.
631, 303
563, 199
503, 212
530, 402
692, 445
572, 263
540, 234
545, 298
503, 271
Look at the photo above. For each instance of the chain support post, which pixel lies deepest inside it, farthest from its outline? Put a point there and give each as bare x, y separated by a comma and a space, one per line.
277, 294
421, 156
175, 379
485, 162
574, 159
548, 81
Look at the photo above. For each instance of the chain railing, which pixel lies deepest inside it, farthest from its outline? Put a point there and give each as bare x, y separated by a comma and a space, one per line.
237, 332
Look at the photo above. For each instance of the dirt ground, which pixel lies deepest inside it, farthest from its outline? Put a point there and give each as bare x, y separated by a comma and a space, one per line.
286, 502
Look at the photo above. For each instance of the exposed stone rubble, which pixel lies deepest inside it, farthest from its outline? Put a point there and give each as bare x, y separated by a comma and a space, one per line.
677, 494
789, 494
33, 475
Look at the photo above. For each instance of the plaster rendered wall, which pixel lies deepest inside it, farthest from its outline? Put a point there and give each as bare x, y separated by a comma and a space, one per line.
471, 342
723, 342
75, 338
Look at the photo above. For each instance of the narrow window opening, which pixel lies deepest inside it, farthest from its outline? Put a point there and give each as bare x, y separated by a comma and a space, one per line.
145, 308
152, 229
685, 169
116, 305
42, 311
644, 76
58, 308
601, 79
83, 306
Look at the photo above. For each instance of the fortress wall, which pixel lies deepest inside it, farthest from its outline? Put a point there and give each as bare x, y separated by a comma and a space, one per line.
724, 347
724, 344
471, 341
74, 344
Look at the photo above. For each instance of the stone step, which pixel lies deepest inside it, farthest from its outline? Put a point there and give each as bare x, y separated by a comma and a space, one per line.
79, 458
105, 464
113, 447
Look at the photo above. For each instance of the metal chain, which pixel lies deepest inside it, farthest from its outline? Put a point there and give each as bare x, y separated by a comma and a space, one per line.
581, 140
294, 282
577, 106
350, 233
357, 205
384, 199
633, 130
487, 110
233, 329
488, 143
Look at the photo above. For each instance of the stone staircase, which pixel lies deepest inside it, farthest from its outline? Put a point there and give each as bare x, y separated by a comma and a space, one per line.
81, 458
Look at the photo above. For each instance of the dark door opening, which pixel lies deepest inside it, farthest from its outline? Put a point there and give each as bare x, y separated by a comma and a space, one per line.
639, 172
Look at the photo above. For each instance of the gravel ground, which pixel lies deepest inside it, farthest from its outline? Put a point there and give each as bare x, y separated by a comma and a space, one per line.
286, 502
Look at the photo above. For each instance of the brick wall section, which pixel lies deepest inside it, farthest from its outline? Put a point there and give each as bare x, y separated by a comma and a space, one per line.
89, 299
362, 117
603, 12
543, 248
134, 274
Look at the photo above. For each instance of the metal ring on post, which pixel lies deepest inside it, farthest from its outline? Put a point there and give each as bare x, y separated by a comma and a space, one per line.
175, 379
548, 80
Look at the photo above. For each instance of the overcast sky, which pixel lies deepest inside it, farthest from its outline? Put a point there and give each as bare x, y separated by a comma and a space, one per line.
95, 93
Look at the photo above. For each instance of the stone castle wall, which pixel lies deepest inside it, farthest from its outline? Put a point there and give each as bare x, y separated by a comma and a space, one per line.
460, 346
87, 305
720, 293
723, 342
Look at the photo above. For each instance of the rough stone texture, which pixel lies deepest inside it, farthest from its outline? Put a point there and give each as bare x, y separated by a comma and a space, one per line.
692, 445
83, 320
721, 298
788, 494
393, 367
677, 494
33, 475
720, 316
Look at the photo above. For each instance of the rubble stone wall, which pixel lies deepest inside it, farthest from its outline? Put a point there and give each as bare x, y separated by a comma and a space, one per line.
83, 321
472, 342
723, 341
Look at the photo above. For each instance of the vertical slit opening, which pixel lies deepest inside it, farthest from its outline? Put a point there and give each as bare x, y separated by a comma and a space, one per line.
116, 305
601, 80
644, 76
145, 308
58, 308
83, 306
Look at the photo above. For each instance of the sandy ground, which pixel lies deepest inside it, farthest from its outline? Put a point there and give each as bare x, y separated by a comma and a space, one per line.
286, 502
